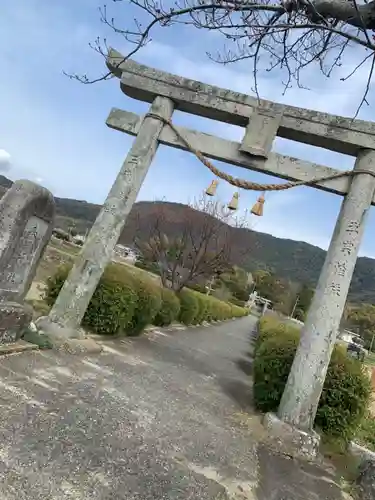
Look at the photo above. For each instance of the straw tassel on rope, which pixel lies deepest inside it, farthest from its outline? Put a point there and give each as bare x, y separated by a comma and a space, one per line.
253, 186
233, 204
258, 207
211, 190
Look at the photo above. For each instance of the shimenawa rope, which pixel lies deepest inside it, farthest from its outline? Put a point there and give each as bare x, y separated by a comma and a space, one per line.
254, 186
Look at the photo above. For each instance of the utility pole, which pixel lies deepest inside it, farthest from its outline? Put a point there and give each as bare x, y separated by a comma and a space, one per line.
209, 285
294, 307
372, 343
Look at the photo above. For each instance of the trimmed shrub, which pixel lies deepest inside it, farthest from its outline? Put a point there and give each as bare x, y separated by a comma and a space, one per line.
198, 288
147, 306
125, 303
169, 310
112, 306
345, 398
269, 326
346, 392
203, 308
189, 307
223, 310
238, 312
273, 359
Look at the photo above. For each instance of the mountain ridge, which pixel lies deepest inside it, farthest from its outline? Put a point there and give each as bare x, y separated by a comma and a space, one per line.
295, 260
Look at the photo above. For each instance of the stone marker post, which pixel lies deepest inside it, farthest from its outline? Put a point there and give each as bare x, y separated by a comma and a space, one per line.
66, 314
301, 396
27, 213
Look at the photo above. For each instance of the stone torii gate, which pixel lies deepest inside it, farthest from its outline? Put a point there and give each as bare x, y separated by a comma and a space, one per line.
263, 121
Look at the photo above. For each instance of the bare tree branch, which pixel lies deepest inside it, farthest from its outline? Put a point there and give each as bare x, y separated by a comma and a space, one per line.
202, 247
289, 34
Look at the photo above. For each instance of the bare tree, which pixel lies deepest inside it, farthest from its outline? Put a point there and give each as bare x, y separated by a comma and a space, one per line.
201, 250
292, 34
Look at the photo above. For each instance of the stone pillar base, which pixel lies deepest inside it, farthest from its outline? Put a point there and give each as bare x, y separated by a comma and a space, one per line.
14, 321
54, 330
293, 441
67, 339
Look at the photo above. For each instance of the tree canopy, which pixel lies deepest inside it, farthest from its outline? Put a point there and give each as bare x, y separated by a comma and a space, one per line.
287, 297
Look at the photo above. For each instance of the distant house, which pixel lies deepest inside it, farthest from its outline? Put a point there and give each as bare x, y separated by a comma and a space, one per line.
61, 234
79, 239
127, 253
350, 337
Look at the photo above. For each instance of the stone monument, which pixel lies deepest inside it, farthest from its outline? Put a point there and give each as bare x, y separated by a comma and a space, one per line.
27, 213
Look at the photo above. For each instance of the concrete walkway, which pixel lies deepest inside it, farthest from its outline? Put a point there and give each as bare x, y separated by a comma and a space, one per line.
158, 417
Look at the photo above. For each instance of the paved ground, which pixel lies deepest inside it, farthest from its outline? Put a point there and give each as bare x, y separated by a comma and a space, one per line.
163, 417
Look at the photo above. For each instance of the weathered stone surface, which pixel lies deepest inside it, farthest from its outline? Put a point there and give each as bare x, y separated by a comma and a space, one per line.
333, 132
17, 347
361, 452
26, 221
14, 320
76, 346
366, 480
217, 148
44, 324
262, 130
289, 439
300, 399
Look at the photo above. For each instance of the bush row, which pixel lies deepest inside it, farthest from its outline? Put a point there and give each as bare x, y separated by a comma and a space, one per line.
126, 302
346, 393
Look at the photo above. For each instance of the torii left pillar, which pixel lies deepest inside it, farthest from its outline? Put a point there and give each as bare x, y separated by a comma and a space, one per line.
66, 314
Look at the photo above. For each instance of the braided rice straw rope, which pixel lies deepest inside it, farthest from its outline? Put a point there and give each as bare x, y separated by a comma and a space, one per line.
248, 185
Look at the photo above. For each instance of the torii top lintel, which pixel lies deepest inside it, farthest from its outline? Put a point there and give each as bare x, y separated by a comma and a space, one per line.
332, 132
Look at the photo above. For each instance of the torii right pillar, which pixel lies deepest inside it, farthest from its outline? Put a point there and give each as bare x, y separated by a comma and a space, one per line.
295, 418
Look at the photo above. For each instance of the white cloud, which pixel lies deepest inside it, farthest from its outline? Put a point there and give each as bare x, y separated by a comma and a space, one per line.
5, 160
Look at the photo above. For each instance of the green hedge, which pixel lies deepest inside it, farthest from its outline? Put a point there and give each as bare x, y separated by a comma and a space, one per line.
189, 307
346, 393
126, 302
112, 306
203, 308
147, 306
197, 307
239, 312
169, 310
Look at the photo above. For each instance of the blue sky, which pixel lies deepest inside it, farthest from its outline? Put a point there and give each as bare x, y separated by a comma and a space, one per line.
54, 131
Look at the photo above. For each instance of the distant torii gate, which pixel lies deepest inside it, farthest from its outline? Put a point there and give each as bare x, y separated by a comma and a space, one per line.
263, 120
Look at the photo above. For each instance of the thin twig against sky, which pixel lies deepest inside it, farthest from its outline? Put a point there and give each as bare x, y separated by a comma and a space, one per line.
289, 35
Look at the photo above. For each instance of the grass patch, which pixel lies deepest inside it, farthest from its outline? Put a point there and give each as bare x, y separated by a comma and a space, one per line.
366, 433
42, 341
335, 449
